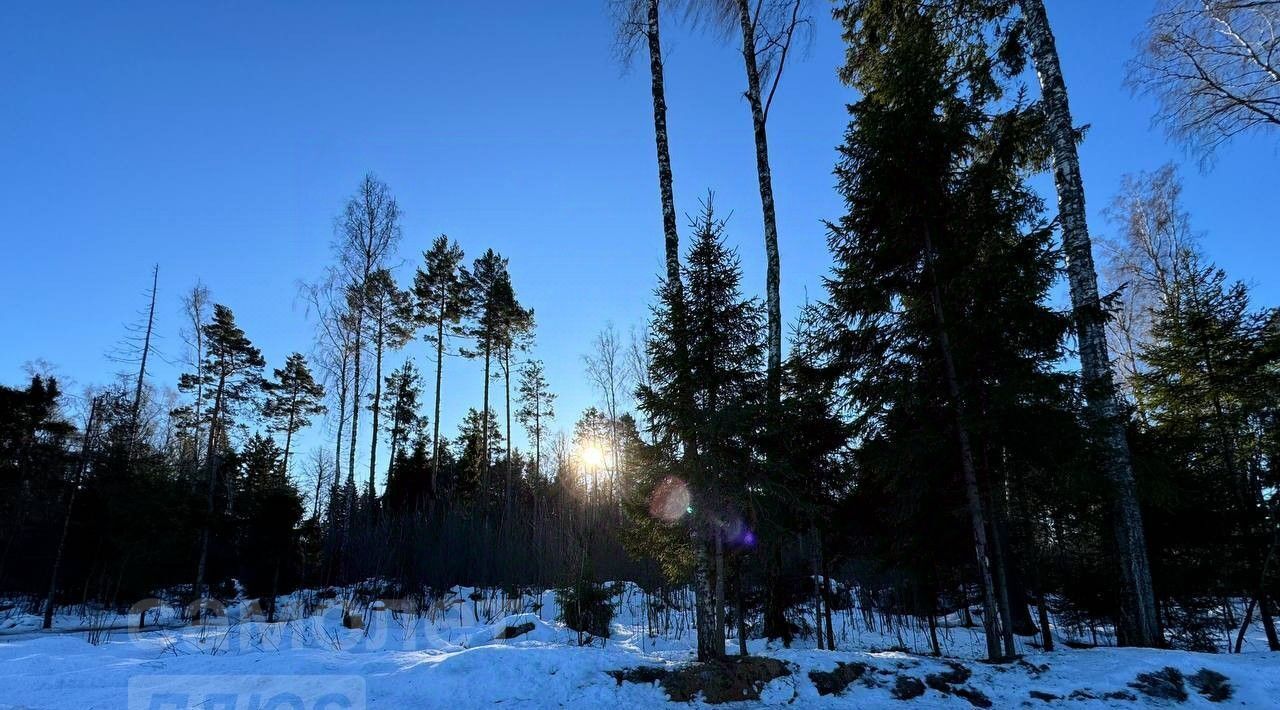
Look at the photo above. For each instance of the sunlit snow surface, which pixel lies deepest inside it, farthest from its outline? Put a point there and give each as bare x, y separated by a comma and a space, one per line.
450, 658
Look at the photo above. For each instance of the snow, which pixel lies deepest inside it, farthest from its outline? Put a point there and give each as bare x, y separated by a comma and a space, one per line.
452, 656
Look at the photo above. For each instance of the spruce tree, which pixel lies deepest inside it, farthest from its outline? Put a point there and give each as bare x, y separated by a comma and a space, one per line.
937, 319
400, 400
718, 411
267, 519
1212, 386
479, 444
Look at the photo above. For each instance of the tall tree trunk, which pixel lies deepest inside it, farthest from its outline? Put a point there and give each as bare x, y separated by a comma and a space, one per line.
355, 393
815, 569
702, 572
484, 424
66, 520
1268, 622
1046, 633
199, 402
1244, 625
435, 434
1138, 623
977, 516
142, 366
215, 416
288, 433
776, 625
740, 611
665, 180
827, 596
710, 639
719, 589
377, 410
506, 381
537, 440
1001, 569
342, 421
764, 175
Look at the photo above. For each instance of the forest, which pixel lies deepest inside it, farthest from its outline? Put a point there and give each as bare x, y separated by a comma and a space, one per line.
999, 414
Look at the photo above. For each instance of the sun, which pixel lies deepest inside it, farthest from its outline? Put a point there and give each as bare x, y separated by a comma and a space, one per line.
591, 455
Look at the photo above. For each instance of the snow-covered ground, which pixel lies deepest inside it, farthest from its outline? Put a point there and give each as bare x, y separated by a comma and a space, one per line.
453, 655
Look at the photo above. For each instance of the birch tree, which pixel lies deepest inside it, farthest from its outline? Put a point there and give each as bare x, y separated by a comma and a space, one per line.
1142, 264
768, 30
1213, 67
368, 231
1139, 625
607, 369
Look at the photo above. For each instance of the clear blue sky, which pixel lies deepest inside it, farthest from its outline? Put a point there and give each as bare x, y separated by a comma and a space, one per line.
221, 139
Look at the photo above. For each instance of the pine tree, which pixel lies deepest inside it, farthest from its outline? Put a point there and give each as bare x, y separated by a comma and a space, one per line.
489, 287
515, 334
442, 305
292, 399
230, 377
537, 407
389, 319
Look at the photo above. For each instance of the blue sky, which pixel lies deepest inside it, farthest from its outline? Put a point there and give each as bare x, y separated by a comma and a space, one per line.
220, 140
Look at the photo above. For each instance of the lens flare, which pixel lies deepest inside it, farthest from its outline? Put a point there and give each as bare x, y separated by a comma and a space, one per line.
670, 500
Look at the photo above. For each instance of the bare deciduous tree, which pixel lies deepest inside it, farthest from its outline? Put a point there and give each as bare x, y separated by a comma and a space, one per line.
1142, 262
1213, 66
195, 310
607, 369
768, 29
334, 350
368, 231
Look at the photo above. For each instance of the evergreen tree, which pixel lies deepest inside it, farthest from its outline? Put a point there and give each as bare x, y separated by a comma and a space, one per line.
293, 398
718, 411
489, 288
537, 407
443, 302
1212, 386
389, 318
230, 377
267, 520
479, 444
515, 333
400, 400
941, 231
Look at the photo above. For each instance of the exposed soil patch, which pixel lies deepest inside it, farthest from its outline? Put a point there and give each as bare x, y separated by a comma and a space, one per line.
724, 681
835, 681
